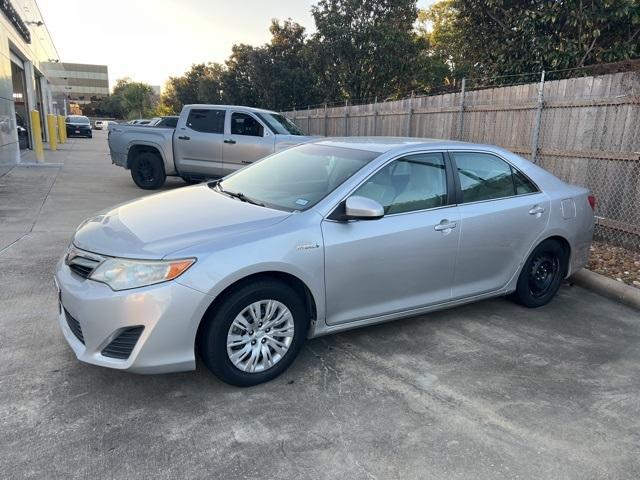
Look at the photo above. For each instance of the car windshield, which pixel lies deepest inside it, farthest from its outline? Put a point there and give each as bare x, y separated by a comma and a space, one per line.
296, 178
77, 119
280, 124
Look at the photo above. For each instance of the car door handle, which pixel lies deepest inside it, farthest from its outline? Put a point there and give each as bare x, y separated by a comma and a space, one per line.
184, 137
230, 141
445, 225
536, 210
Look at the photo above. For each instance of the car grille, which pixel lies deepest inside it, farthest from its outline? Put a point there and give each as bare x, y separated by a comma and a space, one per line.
122, 346
74, 325
82, 263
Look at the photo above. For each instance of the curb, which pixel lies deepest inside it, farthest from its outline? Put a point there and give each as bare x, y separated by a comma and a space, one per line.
39, 165
607, 287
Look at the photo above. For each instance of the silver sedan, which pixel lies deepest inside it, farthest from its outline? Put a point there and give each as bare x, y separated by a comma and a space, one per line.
316, 239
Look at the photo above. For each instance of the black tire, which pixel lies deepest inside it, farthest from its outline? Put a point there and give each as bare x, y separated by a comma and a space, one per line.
541, 275
212, 338
147, 171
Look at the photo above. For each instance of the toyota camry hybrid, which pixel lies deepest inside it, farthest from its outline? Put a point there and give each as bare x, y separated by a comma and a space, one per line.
319, 238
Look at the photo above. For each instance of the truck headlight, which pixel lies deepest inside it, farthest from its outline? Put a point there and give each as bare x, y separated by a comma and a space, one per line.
123, 274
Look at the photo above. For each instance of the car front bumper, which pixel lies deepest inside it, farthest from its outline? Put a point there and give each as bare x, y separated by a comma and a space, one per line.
169, 312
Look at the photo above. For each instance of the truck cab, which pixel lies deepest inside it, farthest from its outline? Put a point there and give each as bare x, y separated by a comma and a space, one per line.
210, 141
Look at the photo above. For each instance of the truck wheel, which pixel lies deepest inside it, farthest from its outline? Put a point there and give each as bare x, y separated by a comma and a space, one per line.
147, 171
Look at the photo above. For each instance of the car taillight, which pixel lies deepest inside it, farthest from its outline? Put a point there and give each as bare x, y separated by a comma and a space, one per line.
592, 202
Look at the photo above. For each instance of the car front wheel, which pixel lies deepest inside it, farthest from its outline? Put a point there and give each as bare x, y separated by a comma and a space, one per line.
542, 274
254, 334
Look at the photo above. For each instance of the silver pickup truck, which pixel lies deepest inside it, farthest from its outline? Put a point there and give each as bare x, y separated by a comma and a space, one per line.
210, 141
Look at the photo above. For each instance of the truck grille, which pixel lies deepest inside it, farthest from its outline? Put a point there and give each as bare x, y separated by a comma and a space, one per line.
122, 346
74, 326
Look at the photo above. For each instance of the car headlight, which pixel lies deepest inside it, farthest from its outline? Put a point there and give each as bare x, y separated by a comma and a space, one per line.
123, 274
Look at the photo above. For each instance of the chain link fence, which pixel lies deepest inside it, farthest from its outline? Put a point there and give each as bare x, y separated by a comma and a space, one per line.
585, 130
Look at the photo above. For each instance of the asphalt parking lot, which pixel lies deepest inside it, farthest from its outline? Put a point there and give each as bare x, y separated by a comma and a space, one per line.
485, 391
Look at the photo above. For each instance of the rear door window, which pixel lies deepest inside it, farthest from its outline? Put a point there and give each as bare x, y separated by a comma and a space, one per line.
484, 176
206, 120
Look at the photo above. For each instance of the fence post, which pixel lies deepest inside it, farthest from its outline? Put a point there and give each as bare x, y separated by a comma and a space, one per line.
461, 113
346, 118
326, 120
535, 134
294, 114
410, 115
308, 120
375, 116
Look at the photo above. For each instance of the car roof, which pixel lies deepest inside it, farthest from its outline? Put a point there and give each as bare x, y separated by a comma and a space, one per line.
386, 144
239, 107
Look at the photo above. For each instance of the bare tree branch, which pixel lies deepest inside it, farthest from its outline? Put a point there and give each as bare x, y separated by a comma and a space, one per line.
584, 57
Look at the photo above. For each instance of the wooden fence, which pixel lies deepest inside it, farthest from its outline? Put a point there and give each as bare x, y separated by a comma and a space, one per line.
585, 130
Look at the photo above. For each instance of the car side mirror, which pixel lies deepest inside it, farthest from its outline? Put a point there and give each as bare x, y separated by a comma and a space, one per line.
362, 208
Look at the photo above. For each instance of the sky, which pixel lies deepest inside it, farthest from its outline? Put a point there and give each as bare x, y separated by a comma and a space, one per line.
150, 40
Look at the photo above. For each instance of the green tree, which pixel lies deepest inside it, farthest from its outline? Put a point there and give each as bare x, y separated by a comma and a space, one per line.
364, 48
443, 43
243, 74
202, 83
511, 37
138, 99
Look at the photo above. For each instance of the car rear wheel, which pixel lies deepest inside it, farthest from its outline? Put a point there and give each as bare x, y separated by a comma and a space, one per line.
147, 171
254, 334
542, 274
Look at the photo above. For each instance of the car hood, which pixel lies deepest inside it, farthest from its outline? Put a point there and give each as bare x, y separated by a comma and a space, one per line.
155, 226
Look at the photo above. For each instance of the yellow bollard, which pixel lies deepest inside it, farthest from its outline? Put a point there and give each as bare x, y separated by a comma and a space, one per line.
62, 130
36, 131
53, 135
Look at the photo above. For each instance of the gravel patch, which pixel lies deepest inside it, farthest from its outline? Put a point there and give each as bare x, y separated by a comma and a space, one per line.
618, 263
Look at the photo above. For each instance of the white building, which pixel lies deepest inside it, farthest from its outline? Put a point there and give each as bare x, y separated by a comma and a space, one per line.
26, 53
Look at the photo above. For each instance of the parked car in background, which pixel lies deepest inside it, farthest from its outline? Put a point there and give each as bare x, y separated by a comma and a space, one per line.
23, 134
316, 239
78, 126
99, 124
139, 121
169, 121
210, 141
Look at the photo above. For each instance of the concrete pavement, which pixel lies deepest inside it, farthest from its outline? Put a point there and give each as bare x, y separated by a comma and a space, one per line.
485, 391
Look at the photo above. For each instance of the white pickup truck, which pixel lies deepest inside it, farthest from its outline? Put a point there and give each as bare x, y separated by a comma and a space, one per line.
210, 141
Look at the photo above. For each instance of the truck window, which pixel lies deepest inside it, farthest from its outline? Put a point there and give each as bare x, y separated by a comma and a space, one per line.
205, 120
245, 124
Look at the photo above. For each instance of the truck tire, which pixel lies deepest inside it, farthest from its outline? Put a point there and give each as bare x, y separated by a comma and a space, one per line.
147, 171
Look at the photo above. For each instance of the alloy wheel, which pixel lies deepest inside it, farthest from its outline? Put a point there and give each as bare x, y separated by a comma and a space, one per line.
260, 336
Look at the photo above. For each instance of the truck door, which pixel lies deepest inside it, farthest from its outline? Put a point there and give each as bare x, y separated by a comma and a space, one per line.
197, 142
247, 140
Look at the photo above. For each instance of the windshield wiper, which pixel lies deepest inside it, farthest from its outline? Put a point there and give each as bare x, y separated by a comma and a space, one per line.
238, 195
